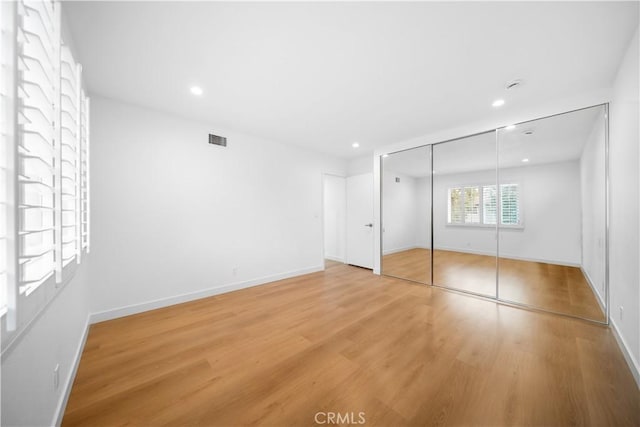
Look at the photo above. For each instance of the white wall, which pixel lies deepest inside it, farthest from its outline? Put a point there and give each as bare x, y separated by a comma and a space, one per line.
550, 203
423, 212
624, 183
175, 218
592, 185
399, 218
28, 394
407, 209
335, 217
360, 165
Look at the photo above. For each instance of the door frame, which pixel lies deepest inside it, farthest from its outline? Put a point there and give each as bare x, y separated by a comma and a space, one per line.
322, 214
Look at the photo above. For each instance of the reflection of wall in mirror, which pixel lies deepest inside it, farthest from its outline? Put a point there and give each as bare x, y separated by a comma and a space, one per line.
592, 179
405, 213
550, 210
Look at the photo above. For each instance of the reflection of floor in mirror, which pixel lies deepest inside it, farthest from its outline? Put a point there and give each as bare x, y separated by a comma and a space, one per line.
549, 286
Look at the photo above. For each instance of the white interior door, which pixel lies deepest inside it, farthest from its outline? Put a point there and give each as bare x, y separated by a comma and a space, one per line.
360, 220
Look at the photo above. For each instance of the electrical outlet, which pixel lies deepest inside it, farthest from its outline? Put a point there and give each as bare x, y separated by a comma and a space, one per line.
56, 377
235, 271
621, 312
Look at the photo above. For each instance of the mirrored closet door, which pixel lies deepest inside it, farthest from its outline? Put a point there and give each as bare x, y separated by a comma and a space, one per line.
517, 214
464, 214
406, 214
552, 213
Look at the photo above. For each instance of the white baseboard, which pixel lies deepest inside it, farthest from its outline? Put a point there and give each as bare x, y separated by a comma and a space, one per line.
178, 299
68, 384
336, 259
508, 256
634, 366
406, 248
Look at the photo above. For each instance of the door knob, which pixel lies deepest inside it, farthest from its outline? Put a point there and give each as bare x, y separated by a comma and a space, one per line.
368, 225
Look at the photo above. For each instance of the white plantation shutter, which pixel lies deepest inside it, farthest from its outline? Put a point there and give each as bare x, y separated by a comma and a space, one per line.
84, 172
472, 205
4, 210
70, 156
464, 205
44, 167
456, 206
37, 145
5, 158
489, 208
510, 204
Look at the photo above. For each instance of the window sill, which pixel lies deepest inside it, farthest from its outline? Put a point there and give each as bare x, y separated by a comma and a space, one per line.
486, 226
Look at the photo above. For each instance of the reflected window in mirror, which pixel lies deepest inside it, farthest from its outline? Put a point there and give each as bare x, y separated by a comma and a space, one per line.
463, 205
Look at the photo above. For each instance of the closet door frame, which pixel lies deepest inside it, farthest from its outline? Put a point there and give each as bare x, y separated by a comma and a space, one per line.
607, 202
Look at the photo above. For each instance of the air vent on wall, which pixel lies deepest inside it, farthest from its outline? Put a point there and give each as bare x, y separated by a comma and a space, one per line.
217, 140
513, 84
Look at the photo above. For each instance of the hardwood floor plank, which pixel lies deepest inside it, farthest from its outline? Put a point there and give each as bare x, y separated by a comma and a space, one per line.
346, 341
557, 288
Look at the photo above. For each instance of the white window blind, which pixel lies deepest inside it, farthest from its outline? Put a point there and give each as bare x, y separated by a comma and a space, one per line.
478, 205
38, 148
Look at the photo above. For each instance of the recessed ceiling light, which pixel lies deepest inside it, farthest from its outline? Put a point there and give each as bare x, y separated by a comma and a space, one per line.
510, 127
196, 90
385, 155
355, 145
528, 132
498, 103
525, 160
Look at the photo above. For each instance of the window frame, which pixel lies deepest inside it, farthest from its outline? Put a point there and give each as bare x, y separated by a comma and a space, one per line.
481, 223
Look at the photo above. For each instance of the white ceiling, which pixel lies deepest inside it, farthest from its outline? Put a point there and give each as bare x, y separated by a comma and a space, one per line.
554, 139
323, 75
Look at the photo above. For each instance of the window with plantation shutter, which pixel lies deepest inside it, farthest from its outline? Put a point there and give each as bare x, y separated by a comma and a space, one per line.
464, 205
44, 163
478, 205
37, 146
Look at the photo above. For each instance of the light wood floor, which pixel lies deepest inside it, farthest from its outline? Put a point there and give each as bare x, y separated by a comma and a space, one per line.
551, 287
346, 341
